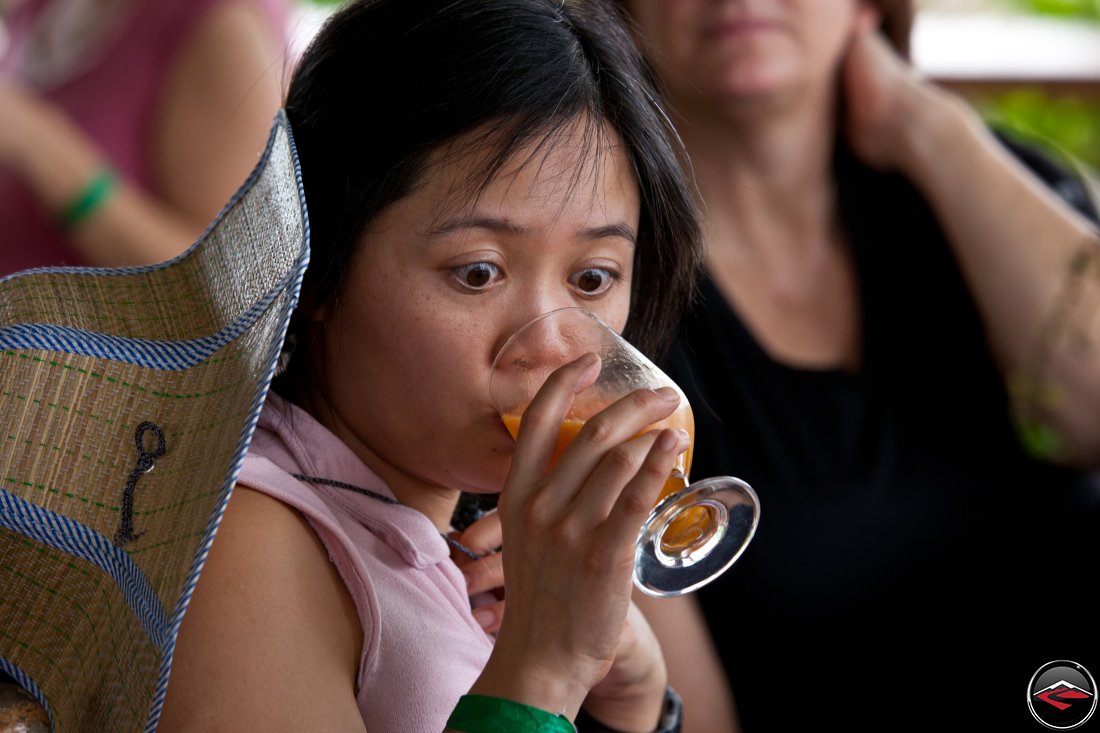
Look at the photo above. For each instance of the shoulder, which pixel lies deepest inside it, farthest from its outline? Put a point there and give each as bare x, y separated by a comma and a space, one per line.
230, 62
214, 110
271, 639
251, 32
192, 18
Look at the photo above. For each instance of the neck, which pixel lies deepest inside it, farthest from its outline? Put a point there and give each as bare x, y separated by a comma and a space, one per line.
765, 174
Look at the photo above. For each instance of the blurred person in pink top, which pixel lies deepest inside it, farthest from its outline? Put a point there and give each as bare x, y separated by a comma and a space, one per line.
126, 125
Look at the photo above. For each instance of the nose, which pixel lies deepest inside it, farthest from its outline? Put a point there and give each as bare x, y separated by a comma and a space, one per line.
538, 347
528, 306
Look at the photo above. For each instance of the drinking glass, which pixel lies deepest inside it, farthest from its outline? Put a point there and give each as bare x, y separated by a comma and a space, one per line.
695, 531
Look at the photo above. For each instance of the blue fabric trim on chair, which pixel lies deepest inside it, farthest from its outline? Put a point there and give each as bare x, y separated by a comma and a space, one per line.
65, 534
27, 684
155, 354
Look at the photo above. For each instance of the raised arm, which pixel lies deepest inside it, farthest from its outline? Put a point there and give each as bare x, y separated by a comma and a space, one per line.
569, 635
210, 125
1031, 261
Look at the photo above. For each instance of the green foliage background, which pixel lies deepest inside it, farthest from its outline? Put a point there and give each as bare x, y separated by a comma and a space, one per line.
1089, 9
1071, 122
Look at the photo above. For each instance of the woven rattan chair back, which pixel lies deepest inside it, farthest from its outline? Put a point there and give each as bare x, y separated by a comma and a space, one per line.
128, 398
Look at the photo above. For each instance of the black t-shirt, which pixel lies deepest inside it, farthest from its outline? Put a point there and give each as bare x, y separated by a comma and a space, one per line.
912, 566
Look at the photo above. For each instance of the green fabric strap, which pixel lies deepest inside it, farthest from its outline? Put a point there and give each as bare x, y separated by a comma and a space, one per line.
482, 714
97, 191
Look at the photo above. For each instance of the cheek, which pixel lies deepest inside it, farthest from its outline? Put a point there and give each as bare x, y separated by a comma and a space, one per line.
400, 328
415, 341
409, 376
429, 343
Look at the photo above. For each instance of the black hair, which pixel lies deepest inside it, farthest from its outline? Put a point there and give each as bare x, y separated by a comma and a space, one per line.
386, 83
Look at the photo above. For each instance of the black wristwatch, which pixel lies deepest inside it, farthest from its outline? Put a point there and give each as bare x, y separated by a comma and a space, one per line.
672, 717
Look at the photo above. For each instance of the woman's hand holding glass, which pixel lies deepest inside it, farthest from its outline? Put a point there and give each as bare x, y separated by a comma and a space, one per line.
696, 531
634, 685
569, 532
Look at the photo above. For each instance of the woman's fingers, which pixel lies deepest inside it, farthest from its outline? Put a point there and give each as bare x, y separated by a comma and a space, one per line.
569, 532
541, 426
569, 529
483, 536
623, 464
638, 497
486, 574
606, 440
577, 494
489, 617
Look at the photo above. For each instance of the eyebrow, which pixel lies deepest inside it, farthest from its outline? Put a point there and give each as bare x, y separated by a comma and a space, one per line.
499, 225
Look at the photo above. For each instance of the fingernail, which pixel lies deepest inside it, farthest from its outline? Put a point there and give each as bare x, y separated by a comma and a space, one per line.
685, 438
484, 618
591, 366
668, 394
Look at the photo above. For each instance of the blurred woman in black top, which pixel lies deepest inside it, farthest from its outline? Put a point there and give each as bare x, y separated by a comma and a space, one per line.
897, 346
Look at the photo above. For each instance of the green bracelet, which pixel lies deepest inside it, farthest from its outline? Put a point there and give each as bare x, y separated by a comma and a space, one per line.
94, 194
482, 714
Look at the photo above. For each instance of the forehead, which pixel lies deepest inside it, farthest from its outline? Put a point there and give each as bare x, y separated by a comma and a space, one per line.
577, 167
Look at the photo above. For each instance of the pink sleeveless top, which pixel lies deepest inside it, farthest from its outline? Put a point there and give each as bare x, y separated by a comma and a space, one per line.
422, 648
113, 100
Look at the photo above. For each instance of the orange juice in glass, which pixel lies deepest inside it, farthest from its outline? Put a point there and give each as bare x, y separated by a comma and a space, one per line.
696, 531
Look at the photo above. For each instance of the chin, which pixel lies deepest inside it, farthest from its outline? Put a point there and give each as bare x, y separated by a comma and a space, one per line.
755, 82
749, 75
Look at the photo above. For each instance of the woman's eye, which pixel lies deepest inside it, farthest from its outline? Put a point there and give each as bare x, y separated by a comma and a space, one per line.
594, 280
476, 275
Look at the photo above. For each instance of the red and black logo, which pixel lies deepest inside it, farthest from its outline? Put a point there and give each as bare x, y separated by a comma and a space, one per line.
1062, 695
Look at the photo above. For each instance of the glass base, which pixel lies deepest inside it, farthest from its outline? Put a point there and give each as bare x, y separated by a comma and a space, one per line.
694, 535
